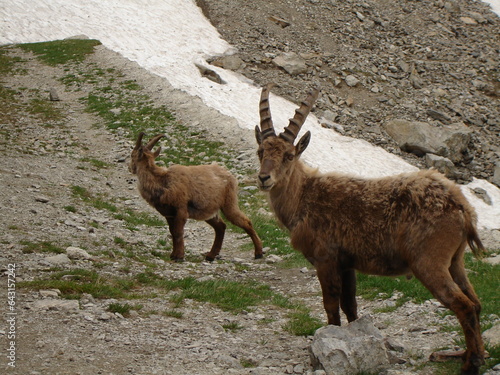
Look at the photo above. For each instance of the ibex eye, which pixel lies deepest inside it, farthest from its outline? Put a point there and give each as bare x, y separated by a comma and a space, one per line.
289, 157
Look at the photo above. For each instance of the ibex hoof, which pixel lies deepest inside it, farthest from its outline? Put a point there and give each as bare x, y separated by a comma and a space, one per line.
176, 259
209, 259
259, 256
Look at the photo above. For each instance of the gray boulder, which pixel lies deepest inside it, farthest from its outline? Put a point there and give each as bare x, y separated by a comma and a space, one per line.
421, 138
350, 349
58, 259
492, 335
77, 253
443, 165
291, 62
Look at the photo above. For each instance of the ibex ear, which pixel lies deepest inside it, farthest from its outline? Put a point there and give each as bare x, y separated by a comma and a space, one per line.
157, 152
140, 153
302, 144
258, 135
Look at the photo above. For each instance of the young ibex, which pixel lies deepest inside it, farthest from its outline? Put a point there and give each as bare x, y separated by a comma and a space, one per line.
415, 223
197, 192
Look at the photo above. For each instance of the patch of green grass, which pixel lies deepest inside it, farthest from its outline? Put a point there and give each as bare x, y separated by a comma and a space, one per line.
173, 314
371, 287
276, 238
494, 358
183, 146
62, 51
70, 208
73, 283
119, 241
248, 363
9, 113
117, 307
301, 323
131, 217
161, 254
88, 197
9, 64
136, 218
81, 192
40, 247
97, 163
123, 308
484, 277
45, 109
233, 326
227, 295
131, 85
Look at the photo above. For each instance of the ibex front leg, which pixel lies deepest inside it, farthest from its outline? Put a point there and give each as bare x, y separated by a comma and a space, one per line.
176, 227
330, 281
348, 302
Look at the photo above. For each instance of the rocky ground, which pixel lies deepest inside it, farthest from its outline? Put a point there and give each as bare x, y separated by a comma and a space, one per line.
431, 61
40, 163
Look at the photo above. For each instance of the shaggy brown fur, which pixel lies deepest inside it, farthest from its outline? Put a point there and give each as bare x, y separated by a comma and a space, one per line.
197, 192
414, 223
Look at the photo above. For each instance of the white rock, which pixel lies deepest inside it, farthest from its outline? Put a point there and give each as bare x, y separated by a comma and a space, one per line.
54, 293
351, 81
350, 349
53, 304
492, 335
273, 258
77, 253
58, 259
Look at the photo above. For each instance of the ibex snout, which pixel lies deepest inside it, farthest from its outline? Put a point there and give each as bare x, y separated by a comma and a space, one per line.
265, 181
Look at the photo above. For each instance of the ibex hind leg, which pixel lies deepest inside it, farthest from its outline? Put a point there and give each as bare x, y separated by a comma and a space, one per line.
442, 286
220, 228
459, 275
238, 218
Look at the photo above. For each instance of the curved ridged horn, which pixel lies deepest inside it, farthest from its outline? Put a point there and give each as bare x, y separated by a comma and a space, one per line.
266, 123
138, 143
153, 141
292, 130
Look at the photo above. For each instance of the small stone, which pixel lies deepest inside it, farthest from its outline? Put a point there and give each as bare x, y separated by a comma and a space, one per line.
292, 63
58, 259
51, 304
494, 260
468, 21
53, 293
53, 95
105, 316
272, 258
77, 253
351, 81
283, 23
42, 199
415, 79
483, 194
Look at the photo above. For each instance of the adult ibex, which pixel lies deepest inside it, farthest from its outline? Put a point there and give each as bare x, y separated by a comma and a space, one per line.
414, 223
198, 192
